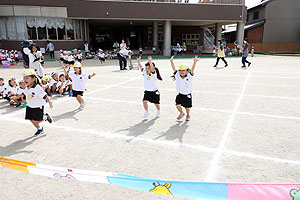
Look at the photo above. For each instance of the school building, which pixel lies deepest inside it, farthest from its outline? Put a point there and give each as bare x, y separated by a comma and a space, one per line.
272, 26
161, 23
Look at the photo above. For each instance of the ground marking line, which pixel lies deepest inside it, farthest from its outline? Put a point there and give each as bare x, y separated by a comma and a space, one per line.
200, 91
162, 143
214, 164
67, 99
257, 71
198, 108
163, 105
223, 82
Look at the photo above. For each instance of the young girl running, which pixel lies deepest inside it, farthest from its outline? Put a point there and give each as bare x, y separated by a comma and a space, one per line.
35, 97
221, 54
78, 82
184, 87
151, 94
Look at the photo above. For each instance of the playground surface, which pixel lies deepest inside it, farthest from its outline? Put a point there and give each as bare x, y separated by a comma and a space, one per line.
244, 128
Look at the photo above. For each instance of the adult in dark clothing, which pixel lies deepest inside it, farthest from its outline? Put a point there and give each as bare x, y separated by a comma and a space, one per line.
245, 53
25, 51
122, 59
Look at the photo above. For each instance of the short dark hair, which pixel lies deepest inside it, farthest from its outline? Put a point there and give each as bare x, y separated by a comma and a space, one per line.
246, 39
220, 41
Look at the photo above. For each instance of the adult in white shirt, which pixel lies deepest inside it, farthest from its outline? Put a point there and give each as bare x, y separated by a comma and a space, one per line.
86, 47
123, 45
50, 48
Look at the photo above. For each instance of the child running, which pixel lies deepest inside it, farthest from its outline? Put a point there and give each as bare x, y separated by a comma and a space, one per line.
184, 87
78, 82
151, 74
35, 97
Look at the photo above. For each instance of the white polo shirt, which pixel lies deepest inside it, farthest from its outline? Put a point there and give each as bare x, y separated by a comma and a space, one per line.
184, 84
70, 58
35, 96
52, 82
20, 91
10, 90
60, 83
78, 81
101, 55
150, 81
2, 88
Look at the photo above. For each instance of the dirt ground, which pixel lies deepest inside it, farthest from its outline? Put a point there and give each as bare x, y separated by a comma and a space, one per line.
244, 127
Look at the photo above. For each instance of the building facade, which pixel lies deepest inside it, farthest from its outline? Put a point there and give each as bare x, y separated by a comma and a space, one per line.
272, 26
69, 23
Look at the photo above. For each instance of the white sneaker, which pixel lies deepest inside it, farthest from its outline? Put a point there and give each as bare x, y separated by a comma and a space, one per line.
146, 114
82, 105
158, 114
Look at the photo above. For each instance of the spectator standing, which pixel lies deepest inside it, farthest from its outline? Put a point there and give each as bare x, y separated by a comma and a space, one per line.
50, 47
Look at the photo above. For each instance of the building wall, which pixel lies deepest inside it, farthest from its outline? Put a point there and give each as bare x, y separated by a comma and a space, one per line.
282, 22
255, 35
261, 16
140, 10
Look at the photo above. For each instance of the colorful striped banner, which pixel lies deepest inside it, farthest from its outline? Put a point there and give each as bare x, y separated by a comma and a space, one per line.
200, 190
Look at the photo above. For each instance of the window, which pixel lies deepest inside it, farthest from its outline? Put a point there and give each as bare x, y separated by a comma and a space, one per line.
11, 28
39, 28
70, 29
51, 28
61, 31
31, 30
247, 18
255, 15
2, 29
78, 29
191, 39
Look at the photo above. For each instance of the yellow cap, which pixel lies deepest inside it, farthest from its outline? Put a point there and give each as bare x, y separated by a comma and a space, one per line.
77, 64
11, 78
29, 72
183, 67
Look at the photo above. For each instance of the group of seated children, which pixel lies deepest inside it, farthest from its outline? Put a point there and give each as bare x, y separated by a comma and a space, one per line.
69, 57
11, 56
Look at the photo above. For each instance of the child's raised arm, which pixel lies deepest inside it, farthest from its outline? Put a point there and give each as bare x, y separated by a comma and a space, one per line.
66, 73
139, 62
90, 76
172, 64
151, 64
196, 59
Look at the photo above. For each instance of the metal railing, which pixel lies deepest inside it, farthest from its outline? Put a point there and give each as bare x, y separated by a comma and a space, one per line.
233, 2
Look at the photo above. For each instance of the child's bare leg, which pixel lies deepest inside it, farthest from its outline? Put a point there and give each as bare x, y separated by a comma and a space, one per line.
179, 108
79, 99
157, 106
36, 124
145, 103
188, 110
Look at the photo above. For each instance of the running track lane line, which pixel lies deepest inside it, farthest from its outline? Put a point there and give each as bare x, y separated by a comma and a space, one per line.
214, 164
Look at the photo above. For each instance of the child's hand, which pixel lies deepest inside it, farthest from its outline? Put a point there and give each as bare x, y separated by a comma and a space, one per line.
93, 75
196, 59
172, 58
50, 104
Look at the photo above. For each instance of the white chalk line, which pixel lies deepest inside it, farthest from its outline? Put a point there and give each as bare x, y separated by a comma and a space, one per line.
214, 165
67, 99
162, 143
162, 105
196, 108
205, 92
220, 82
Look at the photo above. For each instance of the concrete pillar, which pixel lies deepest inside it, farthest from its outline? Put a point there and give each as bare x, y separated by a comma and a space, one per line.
167, 38
218, 32
240, 32
155, 35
